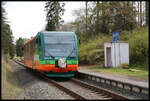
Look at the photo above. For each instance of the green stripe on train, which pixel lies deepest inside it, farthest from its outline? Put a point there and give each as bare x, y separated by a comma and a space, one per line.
53, 61
72, 61
46, 61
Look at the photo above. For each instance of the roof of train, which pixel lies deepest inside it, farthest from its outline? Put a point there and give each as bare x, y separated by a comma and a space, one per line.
53, 32
57, 32
29, 40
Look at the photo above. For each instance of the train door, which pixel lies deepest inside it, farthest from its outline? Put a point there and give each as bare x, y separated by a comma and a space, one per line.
38, 48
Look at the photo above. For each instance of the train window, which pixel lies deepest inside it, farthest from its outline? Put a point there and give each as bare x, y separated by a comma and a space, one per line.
60, 45
40, 47
33, 47
31, 50
37, 46
25, 52
28, 51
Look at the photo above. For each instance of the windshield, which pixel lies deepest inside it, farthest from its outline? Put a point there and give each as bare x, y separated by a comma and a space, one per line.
59, 45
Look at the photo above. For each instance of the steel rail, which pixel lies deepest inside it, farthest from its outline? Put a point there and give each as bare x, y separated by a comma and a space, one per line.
102, 91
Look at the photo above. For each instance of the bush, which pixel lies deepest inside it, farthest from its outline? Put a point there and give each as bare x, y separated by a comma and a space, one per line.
92, 52
139, 45
96, 56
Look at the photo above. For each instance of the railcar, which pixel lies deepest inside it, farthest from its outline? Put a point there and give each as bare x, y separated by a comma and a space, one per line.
53, 53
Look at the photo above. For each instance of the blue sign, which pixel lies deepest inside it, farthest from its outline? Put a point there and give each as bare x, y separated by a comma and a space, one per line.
116, 36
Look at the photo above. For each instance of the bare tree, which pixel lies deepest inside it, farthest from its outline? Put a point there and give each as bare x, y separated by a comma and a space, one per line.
86, 14
140, 13
146, 13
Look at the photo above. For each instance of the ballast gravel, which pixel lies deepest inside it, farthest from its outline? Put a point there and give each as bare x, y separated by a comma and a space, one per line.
35, 87
42, 90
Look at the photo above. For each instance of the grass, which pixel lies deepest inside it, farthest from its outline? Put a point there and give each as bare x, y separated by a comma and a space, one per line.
10, 88
137, 71
18, 58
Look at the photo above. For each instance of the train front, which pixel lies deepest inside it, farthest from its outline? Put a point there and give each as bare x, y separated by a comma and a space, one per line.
61, 53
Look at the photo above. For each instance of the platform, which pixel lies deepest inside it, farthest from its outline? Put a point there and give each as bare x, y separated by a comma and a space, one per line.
118, 78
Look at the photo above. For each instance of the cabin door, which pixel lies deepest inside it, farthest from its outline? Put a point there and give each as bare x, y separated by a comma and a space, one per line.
109, 62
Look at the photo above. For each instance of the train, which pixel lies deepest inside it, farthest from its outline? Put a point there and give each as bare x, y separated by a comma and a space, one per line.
53, 53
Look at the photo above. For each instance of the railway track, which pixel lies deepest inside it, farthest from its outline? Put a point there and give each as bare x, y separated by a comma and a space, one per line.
81, 90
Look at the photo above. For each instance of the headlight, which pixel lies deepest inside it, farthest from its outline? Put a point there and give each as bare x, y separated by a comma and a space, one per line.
62, 62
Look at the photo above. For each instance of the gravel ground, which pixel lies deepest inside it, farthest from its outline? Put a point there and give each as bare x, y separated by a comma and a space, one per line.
34, 87
42, 90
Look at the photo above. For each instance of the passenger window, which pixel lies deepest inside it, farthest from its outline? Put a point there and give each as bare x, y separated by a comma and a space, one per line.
33, 47
31, 51
25, 51
28, 51
37, 50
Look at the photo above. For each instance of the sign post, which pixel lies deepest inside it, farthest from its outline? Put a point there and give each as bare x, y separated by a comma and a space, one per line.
116, 36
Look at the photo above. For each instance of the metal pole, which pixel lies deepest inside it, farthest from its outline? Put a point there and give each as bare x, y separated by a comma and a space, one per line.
115, 53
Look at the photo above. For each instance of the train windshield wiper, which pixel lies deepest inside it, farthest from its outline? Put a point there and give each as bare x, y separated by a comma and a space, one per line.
71, 52
50, 54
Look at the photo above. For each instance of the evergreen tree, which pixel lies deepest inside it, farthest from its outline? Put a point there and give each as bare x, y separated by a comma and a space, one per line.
54, 12
7, 38
19, 47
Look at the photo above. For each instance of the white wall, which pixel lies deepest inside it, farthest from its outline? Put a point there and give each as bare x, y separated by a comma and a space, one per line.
115, 54
124, 50
120, 54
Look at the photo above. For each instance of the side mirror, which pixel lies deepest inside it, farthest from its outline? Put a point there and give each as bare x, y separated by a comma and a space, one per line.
79, 42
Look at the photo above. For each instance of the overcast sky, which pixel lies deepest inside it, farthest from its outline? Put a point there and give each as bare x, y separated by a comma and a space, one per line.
26, 19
